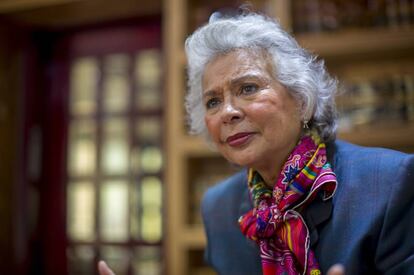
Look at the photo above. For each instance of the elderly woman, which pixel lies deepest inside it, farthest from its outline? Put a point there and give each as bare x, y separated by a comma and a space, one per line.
305, 201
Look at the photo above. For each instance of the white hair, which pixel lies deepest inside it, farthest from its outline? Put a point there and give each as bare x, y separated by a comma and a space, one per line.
295, 68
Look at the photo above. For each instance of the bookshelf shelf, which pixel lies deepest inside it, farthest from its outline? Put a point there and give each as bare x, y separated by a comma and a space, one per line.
193, 237
389, 135
399, 135
353, 42
193, 146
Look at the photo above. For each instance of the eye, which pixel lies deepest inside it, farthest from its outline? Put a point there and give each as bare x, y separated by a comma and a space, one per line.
249, 88
212, 102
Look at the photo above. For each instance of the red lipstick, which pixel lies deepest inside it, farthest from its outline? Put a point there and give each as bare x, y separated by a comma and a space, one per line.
239, 139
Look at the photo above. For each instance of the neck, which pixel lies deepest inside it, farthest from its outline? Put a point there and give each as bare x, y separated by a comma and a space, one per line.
269, 180
270, 173
270, 169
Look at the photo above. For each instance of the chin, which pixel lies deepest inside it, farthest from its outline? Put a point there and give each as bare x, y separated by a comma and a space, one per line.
240, 157
244, 161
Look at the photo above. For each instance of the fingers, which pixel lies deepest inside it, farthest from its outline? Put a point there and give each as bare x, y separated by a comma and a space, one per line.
336, 269
104, 269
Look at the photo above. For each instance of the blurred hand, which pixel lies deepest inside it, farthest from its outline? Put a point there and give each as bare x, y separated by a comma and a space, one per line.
336, 269
105, 270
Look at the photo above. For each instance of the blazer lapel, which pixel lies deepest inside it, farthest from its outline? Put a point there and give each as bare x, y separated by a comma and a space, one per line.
319, 211
315, 214
245, 203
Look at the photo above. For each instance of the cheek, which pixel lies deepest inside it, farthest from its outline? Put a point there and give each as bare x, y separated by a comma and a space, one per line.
273, 118
213, 128
265, 113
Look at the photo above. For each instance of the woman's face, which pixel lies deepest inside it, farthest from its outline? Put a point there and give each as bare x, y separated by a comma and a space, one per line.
253, 120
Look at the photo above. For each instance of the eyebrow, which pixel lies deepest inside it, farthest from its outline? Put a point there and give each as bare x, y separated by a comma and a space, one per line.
209, 93
245, 77
234, 82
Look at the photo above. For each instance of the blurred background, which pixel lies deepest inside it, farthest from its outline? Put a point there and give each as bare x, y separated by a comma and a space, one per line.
95, 162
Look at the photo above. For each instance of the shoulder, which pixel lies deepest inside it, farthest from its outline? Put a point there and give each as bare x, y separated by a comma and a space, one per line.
225, 192
350, 159
372, 182
343, 149
222, 206
371, 209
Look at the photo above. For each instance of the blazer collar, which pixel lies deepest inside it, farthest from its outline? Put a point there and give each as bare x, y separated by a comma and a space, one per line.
246, 203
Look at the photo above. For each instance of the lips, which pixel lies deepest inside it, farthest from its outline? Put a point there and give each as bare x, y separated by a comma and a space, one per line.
239, 139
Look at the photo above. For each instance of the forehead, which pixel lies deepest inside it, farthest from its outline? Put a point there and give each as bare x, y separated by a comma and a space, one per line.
225, 67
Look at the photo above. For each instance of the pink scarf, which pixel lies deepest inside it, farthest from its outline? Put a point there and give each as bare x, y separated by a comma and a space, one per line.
275, 223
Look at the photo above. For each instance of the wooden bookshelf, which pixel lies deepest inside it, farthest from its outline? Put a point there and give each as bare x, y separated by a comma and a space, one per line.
196, 146
356, 54
358, 42
394, 136
193, 237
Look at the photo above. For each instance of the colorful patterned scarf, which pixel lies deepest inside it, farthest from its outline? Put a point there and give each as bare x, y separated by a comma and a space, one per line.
275, 223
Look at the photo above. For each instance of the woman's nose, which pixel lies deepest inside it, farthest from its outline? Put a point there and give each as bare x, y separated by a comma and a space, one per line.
231, 113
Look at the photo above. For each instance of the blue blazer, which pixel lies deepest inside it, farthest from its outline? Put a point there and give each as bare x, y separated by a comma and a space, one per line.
368, 226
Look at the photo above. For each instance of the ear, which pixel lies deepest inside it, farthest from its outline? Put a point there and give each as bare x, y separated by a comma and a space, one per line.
307, 111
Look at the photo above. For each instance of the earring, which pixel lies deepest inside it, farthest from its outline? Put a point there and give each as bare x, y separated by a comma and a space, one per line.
305, 124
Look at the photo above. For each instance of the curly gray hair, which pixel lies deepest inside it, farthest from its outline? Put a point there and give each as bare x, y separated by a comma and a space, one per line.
295, 68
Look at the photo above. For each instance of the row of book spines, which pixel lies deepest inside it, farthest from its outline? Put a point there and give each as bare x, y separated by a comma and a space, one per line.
386, 98
326, 15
